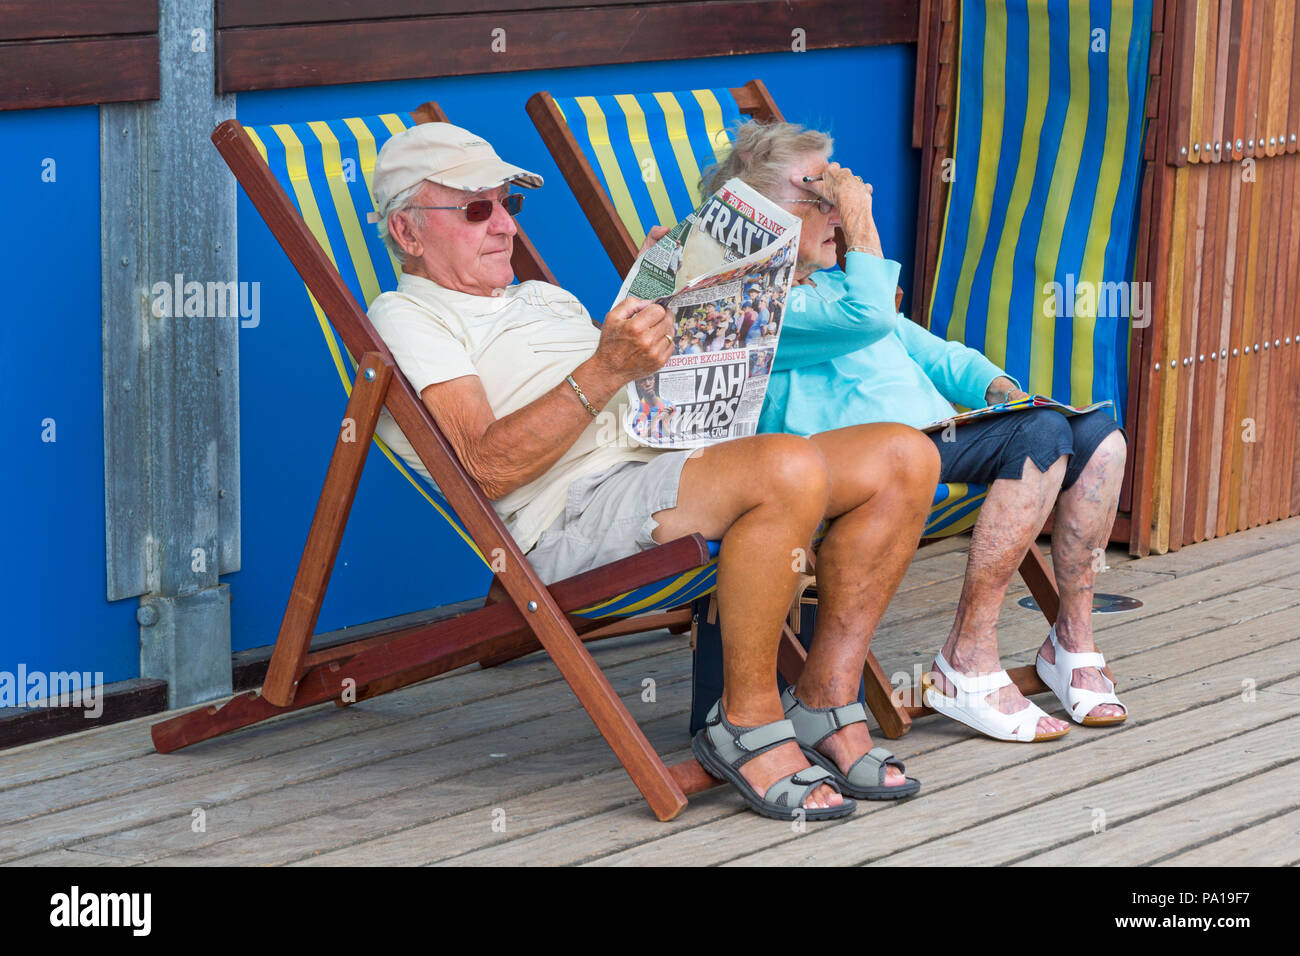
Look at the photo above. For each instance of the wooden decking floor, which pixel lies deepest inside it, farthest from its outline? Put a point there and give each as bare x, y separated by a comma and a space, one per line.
500, 766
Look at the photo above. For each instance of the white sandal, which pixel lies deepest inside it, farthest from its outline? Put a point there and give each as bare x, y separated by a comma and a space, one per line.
1077, 701
971, 707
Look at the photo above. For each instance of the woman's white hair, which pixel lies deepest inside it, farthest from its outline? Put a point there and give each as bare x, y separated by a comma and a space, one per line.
402, 202
761, 153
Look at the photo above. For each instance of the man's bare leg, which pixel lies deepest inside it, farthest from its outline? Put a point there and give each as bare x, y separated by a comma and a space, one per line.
1084, 514
1012, 515
763, 496
879, 502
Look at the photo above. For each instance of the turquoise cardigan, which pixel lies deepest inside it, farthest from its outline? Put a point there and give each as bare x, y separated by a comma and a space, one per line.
847, 357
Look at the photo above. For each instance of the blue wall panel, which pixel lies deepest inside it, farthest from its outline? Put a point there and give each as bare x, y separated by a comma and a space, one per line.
56, 613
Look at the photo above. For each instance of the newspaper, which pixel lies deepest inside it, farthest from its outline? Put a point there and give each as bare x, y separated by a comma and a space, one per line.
1019, 405
724, 274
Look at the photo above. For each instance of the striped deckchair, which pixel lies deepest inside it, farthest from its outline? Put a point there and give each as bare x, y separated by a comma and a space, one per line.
633, 161
311, 184
1037, 250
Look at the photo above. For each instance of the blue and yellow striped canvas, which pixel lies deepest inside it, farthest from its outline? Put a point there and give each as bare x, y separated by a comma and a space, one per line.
1039, 229
648, 149
327, 168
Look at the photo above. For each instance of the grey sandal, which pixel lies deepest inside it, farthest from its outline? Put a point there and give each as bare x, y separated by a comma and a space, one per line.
866, 778
723, 749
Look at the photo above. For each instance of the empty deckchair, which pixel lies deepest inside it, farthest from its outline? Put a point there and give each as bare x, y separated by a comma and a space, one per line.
295, 176
633, 161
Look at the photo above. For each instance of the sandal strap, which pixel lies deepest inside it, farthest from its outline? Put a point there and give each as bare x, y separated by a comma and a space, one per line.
739, 745
977, 685
793, 789
812, 725
873, 764
1082, 701
1069, 660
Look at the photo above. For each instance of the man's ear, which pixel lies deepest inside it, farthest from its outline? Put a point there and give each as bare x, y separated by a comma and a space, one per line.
399, 226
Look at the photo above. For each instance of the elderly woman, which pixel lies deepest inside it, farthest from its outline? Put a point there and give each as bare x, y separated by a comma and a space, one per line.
517, 376
846, 356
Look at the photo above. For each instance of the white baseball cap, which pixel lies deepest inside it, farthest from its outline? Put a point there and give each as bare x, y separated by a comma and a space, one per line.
444, 154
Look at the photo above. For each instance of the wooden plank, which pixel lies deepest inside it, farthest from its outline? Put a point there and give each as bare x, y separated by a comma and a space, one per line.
78, 72
469, 737
1158, 836
1223, 40
95, 753
1182, 82
40, 19
436, 801
244, 13
1290, 506
1278, 308
276, 57
1205, 315
1152, 635
1271, 842
1283, 84
1242, 451
1234, 105
1293, 110
927, 834
1256, 33
121, 701
366, 401
965, 783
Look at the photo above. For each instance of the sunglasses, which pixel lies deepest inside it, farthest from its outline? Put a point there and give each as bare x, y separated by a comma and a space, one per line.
480, 210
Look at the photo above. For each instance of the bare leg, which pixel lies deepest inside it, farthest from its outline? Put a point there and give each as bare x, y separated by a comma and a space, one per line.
1084, 515
764, 497
1011, 517
879, 502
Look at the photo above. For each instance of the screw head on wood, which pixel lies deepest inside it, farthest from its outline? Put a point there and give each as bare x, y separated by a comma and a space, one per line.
369, 374
1196, 148
1238, 145
1157, 366
1250, 143
532, 607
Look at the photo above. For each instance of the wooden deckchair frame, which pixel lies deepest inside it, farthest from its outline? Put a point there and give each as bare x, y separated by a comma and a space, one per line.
521, 612
893, 709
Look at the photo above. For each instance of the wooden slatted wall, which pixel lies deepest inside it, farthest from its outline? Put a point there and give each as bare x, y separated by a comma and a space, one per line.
1226, 366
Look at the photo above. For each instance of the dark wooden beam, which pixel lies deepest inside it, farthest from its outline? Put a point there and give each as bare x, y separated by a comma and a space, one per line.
324, 53
122, 700
41, 19
41, 73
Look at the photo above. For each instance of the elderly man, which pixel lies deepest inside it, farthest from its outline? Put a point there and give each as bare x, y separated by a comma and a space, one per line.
517, 378
847, 356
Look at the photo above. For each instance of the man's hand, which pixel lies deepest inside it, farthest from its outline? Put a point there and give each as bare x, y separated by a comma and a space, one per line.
635, 340
853, 199
1001, 390
656, 233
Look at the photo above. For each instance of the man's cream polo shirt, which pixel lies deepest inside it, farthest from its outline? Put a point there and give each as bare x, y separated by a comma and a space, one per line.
521, 344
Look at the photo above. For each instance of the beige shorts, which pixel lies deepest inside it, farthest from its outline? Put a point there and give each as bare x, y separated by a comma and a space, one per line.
607, 516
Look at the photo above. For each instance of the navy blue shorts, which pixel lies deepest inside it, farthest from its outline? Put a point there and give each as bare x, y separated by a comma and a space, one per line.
996, 447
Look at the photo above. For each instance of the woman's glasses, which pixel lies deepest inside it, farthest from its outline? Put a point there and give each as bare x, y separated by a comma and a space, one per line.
824, 206
480, 210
